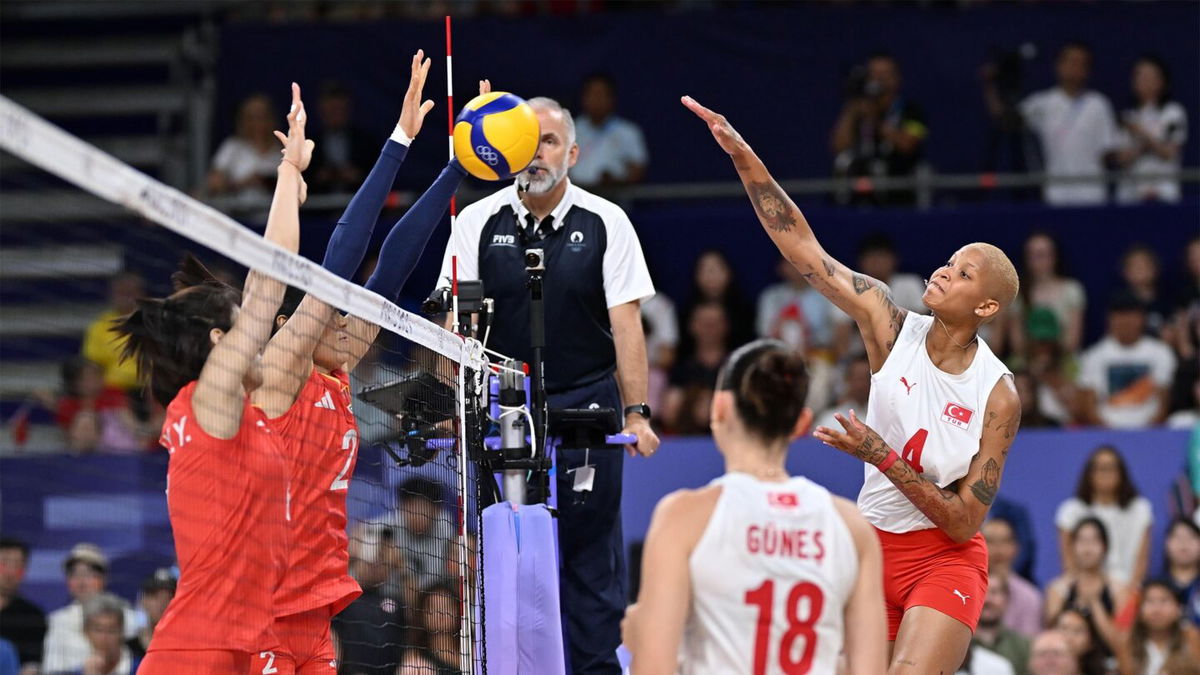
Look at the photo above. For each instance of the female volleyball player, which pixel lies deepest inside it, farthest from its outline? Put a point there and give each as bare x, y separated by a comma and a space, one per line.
938, 395
200, 351
765, 571
306, 395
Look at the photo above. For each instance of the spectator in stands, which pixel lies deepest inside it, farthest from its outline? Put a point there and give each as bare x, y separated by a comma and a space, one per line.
338, 160
1086, 586
421, 530
693, 379
438, 649
856, 389
1140, 274
879, 132
611, 148
1028, 389
1123, 378
660, 323
371, 629
1106, 491
1022, 600
245, 162
877, 257
1045, 286
93, 415
1188, 416
67, 646
713, 281
1183, 332
157, 591
993, 632
1181, 565
1018, 517
21, 622
982, 661
102, 344
796, 313
1058, 396
1152, 136
1076, 127
1051, 654
1160, 643
104, 625
1089, 649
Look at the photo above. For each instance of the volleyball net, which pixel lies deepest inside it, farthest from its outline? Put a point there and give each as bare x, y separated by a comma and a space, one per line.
82, 235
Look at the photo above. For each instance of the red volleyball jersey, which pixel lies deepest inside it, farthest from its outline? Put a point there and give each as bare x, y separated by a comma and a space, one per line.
227, 500
320, 438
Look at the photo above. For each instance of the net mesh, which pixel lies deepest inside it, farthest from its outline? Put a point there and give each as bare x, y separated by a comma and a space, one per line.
83, 235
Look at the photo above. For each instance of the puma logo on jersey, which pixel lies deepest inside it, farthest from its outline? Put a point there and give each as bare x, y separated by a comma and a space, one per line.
325, 402
960, 595
907, 386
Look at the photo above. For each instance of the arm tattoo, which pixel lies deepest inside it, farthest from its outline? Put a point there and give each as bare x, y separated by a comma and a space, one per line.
988, 484
828, 263
873, 449
943, 507
1008, 427
862, 284
772, 205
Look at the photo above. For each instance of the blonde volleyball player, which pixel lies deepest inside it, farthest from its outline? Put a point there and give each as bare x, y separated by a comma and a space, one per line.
758, 572
942, 414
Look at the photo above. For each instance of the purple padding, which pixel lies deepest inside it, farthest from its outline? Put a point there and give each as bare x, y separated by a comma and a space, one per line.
500, 571
541, 646
520, 571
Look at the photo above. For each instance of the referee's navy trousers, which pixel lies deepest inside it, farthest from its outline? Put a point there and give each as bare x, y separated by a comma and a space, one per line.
593, 582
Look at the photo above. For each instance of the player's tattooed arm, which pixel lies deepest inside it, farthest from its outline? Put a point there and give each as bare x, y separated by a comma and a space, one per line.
960, 508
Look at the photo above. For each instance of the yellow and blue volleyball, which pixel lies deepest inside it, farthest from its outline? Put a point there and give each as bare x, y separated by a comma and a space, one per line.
496, 135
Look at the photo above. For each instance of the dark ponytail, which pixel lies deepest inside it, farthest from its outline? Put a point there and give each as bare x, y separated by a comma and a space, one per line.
169, 337
769, 382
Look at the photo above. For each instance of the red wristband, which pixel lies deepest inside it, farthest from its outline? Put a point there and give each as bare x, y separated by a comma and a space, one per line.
887, 461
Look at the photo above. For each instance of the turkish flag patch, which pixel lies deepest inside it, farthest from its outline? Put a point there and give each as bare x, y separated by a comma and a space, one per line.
958, 415
783, 500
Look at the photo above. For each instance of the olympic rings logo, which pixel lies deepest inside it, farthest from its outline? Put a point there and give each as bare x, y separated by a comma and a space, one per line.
487, 154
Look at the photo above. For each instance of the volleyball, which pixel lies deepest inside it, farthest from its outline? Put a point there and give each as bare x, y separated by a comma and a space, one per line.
496, 135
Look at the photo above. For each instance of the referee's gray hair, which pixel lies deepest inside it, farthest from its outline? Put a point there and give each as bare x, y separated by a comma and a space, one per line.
104, 603
547, 103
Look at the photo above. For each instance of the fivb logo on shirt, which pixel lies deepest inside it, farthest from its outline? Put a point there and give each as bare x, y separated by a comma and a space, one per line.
958, 415
504, 240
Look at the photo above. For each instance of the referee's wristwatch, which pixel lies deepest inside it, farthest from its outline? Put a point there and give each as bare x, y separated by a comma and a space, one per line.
638, 409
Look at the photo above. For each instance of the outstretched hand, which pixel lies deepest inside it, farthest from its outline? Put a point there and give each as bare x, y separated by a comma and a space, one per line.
412, 115
856, 439
727, 137
297, 150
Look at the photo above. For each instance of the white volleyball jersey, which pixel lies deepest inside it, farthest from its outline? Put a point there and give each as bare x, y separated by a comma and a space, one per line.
933, 419
771, 576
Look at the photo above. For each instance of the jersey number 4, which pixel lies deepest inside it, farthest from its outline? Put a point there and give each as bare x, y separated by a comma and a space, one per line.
799, 626
913, 448
349, 442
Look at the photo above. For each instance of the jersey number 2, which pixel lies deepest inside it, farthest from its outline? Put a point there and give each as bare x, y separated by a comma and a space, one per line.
349, 442
763, 597
913, 448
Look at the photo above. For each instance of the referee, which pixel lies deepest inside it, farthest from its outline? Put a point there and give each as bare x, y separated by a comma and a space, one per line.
595, 353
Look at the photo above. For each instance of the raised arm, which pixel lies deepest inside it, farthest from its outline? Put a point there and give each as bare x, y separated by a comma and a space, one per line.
219, 392
867, 300
960, 509
287, 361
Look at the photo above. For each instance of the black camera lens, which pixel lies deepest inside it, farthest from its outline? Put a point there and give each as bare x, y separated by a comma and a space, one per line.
532, 260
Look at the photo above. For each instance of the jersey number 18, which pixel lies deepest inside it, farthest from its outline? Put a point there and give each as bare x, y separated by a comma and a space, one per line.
799, 626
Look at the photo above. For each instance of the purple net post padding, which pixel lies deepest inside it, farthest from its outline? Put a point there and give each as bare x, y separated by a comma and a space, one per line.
520, 566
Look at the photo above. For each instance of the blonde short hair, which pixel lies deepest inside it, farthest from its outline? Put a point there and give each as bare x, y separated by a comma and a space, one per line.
1003, 281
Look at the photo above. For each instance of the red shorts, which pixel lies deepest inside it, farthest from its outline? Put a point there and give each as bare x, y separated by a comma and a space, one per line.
305, 646
926, 568
194, 662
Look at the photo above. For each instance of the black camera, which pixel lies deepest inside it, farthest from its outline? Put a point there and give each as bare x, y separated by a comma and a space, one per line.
470, 299
535, 260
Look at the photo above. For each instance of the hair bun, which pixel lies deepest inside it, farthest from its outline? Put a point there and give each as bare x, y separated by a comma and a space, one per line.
772, 391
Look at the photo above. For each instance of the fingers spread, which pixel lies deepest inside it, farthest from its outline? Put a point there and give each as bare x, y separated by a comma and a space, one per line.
282, 138
426, 107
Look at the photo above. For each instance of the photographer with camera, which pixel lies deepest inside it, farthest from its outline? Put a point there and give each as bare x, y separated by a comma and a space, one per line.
879, 133
594, 277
